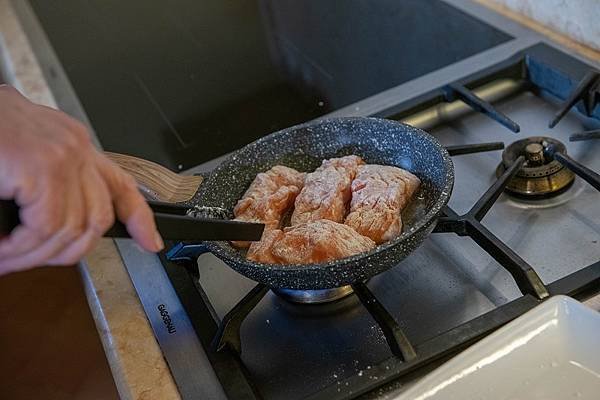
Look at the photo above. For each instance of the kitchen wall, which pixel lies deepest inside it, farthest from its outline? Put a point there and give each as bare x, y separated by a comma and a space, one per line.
579, 19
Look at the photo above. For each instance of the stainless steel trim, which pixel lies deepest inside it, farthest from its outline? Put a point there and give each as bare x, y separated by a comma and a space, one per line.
187, 360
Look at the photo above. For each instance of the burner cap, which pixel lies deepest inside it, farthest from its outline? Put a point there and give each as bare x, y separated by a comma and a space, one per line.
314, 296
540, 175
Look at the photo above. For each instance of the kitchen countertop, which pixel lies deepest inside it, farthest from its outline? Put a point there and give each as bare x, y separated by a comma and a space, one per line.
137, 364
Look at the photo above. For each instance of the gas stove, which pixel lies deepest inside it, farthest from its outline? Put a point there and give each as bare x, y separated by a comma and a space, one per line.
519, 228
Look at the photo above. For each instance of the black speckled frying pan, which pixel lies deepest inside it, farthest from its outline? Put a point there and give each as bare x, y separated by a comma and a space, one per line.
303, 147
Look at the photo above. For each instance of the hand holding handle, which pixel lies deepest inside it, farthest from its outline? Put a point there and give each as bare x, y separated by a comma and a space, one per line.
170, 225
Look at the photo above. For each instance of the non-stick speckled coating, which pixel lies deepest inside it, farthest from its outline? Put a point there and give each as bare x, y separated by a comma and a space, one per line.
377, 141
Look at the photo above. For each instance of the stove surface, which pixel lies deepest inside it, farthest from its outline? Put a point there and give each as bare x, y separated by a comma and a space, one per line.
292, 351
447, 281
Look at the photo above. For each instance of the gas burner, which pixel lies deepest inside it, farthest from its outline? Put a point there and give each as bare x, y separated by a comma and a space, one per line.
314, 296
541, 175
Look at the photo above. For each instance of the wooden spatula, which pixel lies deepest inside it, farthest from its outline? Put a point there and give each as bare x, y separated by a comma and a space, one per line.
157, 182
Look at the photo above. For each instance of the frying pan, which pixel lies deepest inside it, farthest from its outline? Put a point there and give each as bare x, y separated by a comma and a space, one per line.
303, 147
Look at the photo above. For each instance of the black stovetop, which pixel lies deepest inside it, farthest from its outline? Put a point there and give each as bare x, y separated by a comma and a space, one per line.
185, 81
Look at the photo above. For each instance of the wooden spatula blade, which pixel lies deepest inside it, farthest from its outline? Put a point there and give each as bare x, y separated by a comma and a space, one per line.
157, 182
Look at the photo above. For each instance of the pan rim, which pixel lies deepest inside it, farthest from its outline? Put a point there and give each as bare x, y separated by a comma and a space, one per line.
218, 247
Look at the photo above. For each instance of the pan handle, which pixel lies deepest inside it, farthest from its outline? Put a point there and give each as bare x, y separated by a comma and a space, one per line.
9, 216
157, 182
171, 225
9, 220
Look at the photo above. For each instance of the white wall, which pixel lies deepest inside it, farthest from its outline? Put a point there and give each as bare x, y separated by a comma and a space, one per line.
579, 19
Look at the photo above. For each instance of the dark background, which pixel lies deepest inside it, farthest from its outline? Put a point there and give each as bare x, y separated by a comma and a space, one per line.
183, 81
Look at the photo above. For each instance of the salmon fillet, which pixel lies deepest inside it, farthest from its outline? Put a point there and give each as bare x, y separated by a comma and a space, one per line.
379, 193
262, 251
310, 243
326, 191
270, 195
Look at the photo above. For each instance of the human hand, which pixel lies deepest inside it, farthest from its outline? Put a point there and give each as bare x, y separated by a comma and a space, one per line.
67, 191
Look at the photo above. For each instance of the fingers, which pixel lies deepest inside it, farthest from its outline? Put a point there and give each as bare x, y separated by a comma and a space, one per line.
68, 193
41, 192
48, 166
60, 225
36, 257
42, 214
130, 206
72, 228
99, 217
